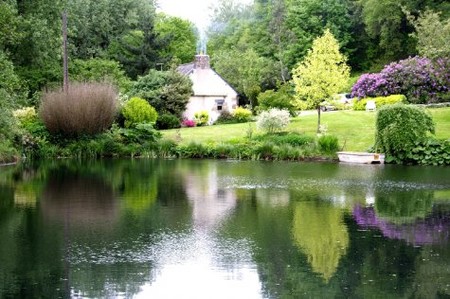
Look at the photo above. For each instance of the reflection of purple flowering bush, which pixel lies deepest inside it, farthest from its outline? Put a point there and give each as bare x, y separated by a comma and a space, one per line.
419, 79
432, 230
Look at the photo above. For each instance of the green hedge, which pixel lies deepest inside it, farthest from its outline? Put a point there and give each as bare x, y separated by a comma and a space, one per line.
402, 133
379, 101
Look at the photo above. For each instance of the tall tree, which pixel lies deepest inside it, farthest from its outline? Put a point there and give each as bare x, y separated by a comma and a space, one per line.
181, 36
143, 53
95, 24
246, 71
432, 34
37, 55
322, 73
307, 19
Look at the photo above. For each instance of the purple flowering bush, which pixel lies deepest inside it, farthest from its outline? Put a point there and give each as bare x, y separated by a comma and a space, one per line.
419, 79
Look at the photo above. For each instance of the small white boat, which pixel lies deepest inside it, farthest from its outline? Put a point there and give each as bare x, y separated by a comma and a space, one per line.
361, 157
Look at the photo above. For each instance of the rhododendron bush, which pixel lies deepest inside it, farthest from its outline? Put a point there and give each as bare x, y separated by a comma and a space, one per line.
419, 79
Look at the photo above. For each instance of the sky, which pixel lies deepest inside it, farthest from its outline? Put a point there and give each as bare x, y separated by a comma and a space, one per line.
196, 11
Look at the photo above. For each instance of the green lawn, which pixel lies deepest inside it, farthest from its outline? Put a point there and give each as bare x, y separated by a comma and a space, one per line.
355, 129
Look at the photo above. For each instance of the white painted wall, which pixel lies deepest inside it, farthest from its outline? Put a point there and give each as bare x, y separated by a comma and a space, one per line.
208, 103
208, 87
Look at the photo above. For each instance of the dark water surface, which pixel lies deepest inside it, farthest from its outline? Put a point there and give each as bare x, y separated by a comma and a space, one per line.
220, 229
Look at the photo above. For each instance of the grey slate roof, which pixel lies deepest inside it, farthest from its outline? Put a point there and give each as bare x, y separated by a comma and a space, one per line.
186, 69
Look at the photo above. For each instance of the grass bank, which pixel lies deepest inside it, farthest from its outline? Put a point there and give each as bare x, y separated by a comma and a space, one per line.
354, 129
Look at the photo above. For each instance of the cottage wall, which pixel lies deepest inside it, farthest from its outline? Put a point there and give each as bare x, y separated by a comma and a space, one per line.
211, 92
210, 104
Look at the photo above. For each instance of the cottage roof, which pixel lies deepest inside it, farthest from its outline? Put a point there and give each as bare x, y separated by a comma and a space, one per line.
206, 82
186, 69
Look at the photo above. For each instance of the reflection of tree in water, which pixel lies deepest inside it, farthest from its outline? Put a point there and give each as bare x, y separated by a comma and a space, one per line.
82, 201
319, 231
401, 207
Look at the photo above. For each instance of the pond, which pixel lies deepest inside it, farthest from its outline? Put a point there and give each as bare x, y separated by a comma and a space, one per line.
223, 229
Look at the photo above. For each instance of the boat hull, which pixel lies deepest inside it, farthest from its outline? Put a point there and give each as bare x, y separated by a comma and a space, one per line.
361, 157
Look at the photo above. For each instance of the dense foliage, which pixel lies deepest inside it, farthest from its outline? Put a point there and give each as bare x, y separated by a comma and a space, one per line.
419, 79
166, 91
399, 128
281, 99
254, 47
360, 104
137, 110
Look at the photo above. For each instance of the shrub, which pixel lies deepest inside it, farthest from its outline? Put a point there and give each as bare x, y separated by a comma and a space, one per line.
87, 108
188, 123
167, 121
7, 151
273, 120
225, 117
168, 92
242, 115
137, 110
328, 144
142, 134
281, 99
398, 128
292, 139
417, 78
379, 101
430, 152
25, 115
201, 118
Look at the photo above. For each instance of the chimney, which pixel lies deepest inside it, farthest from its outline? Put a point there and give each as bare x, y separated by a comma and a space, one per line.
201, 61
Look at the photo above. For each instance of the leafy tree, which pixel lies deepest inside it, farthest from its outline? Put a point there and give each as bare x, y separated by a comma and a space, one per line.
95, 24
306, 20
99, 70
281, 99
9, 86
143, 54
9, 22
246, 71
432, 34
322, 73
36, 56
166, 91
180, 35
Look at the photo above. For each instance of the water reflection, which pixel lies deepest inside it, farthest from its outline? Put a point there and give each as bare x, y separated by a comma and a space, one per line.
433, 229
320, 232
80, 201
223, 229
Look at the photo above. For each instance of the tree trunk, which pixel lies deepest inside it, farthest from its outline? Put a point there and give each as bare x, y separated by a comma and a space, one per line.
65, 59
318, 119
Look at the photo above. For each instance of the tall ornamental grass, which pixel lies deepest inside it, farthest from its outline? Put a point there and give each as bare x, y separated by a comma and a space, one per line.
86, 109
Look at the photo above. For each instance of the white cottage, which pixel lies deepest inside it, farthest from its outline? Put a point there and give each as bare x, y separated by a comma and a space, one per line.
211, 92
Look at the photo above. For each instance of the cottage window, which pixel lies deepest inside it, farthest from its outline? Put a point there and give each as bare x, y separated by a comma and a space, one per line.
219, 104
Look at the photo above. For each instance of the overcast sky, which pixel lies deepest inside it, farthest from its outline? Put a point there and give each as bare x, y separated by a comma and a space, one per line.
195, 11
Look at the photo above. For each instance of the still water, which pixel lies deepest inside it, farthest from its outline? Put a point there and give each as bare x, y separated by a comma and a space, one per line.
223, 229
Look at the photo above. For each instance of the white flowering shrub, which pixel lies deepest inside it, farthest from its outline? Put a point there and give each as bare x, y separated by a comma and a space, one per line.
273, 120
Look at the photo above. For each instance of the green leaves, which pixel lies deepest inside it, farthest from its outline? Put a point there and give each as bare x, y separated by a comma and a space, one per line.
402, 134
323, 72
